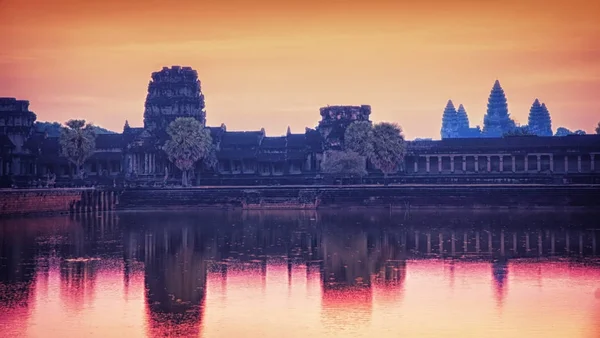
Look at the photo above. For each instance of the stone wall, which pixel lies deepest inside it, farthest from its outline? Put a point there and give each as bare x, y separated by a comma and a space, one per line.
41, 201
413, 196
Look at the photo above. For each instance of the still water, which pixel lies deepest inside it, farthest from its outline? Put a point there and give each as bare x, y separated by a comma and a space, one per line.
297, 274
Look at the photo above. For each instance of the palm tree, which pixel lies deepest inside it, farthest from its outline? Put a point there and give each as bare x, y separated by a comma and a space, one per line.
190, 142
77, 143
388, 148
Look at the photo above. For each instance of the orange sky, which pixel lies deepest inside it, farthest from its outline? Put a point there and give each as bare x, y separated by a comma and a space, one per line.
274, 63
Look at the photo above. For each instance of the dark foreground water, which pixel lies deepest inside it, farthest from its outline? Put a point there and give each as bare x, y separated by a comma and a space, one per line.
301, 274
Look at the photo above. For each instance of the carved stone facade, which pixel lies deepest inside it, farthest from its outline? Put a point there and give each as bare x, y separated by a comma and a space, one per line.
16, 126
173, 92
335, 120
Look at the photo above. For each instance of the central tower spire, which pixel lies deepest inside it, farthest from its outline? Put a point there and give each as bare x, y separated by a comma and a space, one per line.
497, 120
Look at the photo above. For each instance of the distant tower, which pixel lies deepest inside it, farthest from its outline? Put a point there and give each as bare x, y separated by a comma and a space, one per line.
539, 119
449, 121
335, 120
16, 121
462, 118
497, 121
173, 92
16, 125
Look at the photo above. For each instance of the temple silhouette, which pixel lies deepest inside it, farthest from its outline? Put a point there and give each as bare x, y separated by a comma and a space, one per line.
496, 121
464, 154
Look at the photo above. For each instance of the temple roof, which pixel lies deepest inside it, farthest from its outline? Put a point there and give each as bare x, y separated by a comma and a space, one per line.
509, 143
274, 142
235, 154
109, 141
296, 140
243, 138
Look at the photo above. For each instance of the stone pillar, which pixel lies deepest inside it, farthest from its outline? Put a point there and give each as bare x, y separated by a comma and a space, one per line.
592, 167
539, 163
427, 164
464, 164
452, 164
489, 164
526, 162
578, 163
439, 164
514, 163
416, 164
552, 162
501, 163
566, 163
476, 163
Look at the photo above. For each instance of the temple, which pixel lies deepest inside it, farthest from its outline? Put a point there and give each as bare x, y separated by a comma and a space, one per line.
135, 156
539, 122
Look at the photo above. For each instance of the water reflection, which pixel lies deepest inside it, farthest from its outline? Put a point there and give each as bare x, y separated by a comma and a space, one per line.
299, 273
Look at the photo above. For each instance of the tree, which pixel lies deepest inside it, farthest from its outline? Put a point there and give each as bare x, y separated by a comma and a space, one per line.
562, 131
190, 142
77, 143
359, 137
598, 129
520, 131
343, 164
53, 129
388, 148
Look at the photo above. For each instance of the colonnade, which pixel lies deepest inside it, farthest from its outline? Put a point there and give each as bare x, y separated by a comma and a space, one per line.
143, 163
531, 162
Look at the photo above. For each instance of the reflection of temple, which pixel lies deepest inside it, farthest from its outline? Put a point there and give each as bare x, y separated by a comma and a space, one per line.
500, 274
17, 279
351, 262
175, 260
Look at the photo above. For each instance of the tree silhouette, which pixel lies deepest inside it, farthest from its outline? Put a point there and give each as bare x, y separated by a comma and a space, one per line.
190, 142
77, 143
388, 148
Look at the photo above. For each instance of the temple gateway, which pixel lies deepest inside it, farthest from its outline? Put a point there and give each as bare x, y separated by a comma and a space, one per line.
135, 156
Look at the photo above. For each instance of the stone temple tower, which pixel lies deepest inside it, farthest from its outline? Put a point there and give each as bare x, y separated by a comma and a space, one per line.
497, 120
335, 120
173, 92
449, 121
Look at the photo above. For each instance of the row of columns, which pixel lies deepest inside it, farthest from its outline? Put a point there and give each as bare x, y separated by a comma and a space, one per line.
501, 160
143, 163
503, 239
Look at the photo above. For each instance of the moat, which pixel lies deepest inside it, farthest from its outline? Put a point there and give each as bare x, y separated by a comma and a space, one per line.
330, 273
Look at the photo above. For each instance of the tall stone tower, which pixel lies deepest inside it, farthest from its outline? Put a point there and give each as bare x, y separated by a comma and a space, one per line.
173, 92
335, 120
539, 121
462, 119
449, 121
497, 120
16, 121
16, 126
